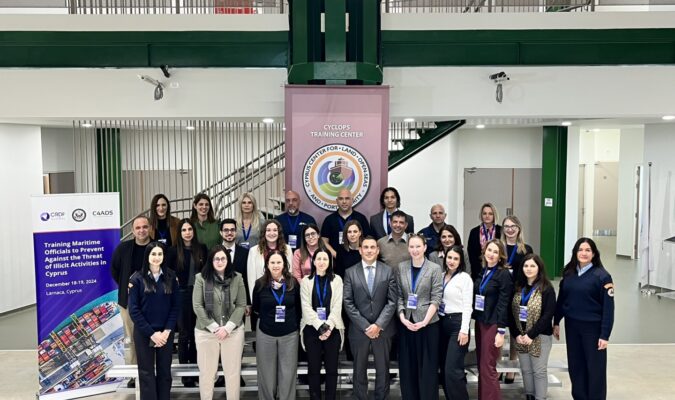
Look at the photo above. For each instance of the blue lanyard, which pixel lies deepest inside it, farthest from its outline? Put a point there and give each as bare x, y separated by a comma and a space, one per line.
280, 299
513, 254
246, 233
446, 284
342, 223
413, 278
318, 290
293, 226
523, 298
485, 280
162, 234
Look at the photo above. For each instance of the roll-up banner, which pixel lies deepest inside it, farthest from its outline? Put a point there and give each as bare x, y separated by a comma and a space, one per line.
336, 137
80, 332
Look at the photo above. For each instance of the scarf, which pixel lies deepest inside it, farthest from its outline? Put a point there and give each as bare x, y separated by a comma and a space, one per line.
209, 297
486, 235
533, 314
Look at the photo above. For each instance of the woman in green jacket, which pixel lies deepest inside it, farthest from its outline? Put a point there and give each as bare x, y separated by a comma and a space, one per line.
219, 301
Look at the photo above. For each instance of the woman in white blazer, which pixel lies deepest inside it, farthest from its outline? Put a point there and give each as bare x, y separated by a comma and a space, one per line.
272, 239
321, 326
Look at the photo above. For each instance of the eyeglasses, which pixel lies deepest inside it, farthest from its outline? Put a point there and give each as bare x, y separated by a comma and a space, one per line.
228, 230
219, 259
509, 227
311, 235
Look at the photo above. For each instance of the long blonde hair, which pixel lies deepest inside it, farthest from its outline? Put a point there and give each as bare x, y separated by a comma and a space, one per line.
520, 241
255, 214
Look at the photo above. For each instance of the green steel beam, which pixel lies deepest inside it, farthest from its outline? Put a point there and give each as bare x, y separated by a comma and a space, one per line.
335, 71
336, 37
370, 31
553, 176
299, 34
108, 160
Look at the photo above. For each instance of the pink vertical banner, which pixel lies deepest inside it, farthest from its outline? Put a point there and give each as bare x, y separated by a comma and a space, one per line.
336, 137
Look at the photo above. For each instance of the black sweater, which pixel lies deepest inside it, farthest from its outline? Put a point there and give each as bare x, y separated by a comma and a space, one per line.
544, 326
475, 251
183, 273
517, 263
154, 311
345, 259
264, 304
498, 293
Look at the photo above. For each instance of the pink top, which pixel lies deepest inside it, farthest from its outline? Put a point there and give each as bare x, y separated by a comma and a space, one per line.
298, 271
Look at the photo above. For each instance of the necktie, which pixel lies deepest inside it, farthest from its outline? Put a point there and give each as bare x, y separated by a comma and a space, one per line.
371, 278
388, 224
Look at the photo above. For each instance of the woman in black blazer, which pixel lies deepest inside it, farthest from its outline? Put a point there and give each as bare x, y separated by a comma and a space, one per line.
493, 291
481, 235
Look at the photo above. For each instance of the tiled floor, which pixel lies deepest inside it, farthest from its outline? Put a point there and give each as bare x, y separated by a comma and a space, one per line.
641, 365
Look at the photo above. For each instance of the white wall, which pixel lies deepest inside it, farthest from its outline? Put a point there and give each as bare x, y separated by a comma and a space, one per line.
57, 150
21, 163
572, 193
429, 178
631, 153
656, 253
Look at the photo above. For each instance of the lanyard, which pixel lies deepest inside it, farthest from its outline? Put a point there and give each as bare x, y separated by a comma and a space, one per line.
486, 279
487, 236
513, 254
247, 232
445, 283
162, 234
342, 223
318, 290
280, 299
413, 278
293, 226
523, 298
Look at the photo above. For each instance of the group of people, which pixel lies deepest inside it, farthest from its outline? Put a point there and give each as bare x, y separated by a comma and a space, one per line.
371, 286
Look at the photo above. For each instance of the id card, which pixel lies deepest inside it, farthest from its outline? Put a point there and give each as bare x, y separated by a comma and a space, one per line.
412, 301
340, 241
522, 314
246, 245
321, 312
293, 241
163, 241
480, 303
441, 309
280, 314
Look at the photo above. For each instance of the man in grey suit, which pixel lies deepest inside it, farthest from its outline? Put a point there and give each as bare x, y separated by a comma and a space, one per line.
370, 296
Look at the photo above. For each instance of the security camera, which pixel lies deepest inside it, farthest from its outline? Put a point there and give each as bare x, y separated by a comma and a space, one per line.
159, 86
165, 71
499, 76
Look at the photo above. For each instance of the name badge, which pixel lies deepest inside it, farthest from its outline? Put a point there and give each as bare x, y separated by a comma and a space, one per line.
321, 312
522, 314
441, 309
163, 241
480, 303
293, 241
246, 245
340, 241
280, 314
412, 301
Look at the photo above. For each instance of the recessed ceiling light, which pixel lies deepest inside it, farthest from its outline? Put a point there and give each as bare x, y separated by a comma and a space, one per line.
87, 125
268, 120
668, 117
409, 120
566, 123
596, 130
190, 128
480, 126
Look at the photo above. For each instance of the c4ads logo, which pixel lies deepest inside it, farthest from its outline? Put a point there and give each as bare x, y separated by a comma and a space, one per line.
330, 169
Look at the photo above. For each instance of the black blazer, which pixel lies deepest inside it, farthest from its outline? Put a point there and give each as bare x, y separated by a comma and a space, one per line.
121, 270
240, 260
475, 251
377, 228
498, 294
171, 261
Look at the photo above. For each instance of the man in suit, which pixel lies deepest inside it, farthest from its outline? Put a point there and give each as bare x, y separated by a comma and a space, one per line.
370, 297
380, 223
239, 257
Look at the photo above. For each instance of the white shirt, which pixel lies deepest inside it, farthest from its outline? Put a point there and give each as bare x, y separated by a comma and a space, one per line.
365, 269
458, 298
231, 249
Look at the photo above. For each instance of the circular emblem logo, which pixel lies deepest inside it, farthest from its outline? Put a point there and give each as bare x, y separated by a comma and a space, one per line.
44, 216
332, 168
79, 215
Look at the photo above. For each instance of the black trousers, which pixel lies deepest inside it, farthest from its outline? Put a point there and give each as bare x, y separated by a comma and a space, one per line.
154, 367
418, 363
318, 352
587, 364
187, 349
451, 358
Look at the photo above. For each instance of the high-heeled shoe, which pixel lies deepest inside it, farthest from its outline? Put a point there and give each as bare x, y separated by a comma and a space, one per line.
510, 380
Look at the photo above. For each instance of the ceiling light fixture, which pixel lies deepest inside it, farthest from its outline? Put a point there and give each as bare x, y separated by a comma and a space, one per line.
480, 126
409, 120
87, 125
268, 120
668, 117
566, 123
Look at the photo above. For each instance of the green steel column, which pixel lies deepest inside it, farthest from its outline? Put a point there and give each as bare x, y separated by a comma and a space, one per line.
336, 35
553, 175
371, 30
108, 160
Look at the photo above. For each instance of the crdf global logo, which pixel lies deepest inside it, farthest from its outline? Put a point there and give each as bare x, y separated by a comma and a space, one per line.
332, 168
53, 215
44, 216
79, 215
